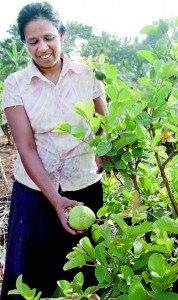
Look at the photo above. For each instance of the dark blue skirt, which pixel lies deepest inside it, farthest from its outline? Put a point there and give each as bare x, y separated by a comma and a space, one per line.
37, 244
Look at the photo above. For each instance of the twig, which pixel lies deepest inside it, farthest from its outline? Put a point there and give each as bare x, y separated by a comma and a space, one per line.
169, 158
163, 174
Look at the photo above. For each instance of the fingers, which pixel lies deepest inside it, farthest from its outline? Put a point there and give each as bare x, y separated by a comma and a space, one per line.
69, 229
99, 171
108, 173
115, 172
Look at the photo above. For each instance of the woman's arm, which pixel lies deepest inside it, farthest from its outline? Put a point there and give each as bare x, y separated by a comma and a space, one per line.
100, 108
100, 104
23, 136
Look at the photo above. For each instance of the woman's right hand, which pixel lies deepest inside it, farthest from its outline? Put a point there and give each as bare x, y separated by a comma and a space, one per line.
62, 206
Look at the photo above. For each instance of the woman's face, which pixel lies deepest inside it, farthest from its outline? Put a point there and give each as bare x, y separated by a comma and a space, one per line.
43, 43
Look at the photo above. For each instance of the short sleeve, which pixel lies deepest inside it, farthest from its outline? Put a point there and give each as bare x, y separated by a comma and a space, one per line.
11, 94
98, 87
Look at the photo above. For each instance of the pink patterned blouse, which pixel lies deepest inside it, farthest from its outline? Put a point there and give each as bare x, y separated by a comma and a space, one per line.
68, 161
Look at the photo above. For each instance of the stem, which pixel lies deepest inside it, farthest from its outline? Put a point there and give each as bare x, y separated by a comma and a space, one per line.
134, 179
138, 202
116, 176
163, 174
174, 153
165, 180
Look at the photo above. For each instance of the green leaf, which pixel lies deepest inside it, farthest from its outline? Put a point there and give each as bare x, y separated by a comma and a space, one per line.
122, 224
38, 296
173, 269
175, 93
100, 253
112, 91
157, 248
136, 110
141, 262
105, 230
140, 132
125, 141
123, 297
79, 278
127, 156
107, 166
117, 108
90, 110
19, 283
151, 30
166, 296
87, 246
167, 224
138, 247
143, 119
161, 47
78, 261
120, 165
29, 294
14, 292
167, 69
79, 132
90, 290
157, 138
157, 265
95, 124
62, 127
148, 55
127, 180
141, 229
174, 50
163, 26
80, 111
137, 291
101, 273
164, 90
103, 148
111, 71
127, 272
131, 125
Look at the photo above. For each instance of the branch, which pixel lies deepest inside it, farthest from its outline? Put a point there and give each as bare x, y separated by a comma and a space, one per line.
174, 153
166, 182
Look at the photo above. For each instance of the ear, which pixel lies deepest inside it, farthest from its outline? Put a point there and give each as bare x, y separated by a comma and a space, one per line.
61, 37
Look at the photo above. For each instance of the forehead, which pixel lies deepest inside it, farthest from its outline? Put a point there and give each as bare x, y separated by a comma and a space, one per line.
39, 27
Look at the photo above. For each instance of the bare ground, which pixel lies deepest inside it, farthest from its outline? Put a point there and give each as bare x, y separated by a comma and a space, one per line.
7, 156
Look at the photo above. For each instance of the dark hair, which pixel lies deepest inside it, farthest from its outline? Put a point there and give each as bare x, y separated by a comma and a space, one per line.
36, 10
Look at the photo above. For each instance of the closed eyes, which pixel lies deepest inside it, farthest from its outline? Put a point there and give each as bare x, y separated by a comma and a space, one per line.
47, 38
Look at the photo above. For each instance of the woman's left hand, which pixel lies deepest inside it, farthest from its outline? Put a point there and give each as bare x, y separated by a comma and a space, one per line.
100, 160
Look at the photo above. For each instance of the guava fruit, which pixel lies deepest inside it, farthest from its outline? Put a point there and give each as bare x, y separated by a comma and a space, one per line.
81, 217
100, 75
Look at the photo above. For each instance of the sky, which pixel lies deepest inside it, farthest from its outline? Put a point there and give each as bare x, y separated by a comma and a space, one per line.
120, 17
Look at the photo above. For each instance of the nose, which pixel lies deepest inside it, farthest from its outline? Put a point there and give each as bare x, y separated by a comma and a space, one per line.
42, 46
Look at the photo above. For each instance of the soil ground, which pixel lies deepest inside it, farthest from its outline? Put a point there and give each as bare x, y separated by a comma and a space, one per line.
7, 156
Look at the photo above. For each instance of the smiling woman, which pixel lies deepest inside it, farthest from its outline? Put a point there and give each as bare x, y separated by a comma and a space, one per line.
44, 44
53, 171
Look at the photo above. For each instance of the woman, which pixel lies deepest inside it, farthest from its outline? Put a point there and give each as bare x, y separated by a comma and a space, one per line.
53, 171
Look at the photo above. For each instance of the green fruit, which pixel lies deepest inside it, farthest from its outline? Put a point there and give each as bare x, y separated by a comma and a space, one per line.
81, 217
100, 75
